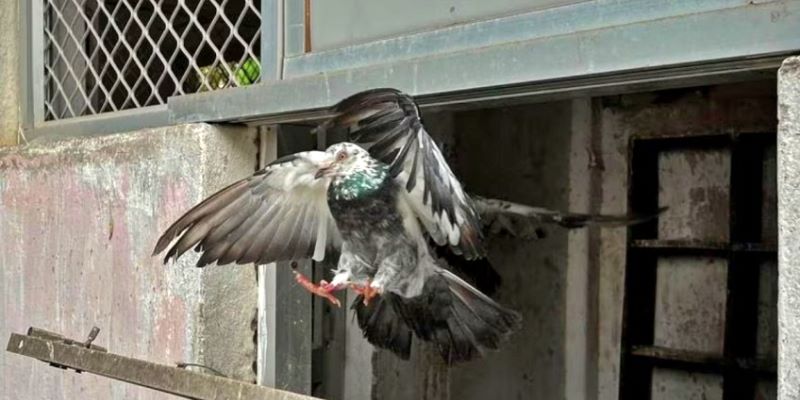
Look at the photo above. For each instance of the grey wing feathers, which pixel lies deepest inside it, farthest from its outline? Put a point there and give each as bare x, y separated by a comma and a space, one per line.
279, 213
387, 123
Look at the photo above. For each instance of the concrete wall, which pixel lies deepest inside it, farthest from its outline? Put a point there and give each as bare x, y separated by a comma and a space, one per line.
526, 162
789, 232
79, 219
424, 375
521, 154
570, 285
690, 304
351, 368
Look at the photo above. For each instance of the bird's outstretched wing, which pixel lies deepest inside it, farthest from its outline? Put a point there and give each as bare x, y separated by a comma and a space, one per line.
387, 123
280, 213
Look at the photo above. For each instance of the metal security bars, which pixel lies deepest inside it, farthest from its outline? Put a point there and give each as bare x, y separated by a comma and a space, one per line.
111, 55
701, 310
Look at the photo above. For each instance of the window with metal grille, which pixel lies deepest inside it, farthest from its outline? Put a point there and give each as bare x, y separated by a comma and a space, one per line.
111, 55
701, 282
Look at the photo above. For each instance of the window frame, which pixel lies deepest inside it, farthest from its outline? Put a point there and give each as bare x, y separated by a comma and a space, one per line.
31, 85
611, 53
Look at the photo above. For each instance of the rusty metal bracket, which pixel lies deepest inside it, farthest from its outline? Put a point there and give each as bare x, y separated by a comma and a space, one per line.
83, 356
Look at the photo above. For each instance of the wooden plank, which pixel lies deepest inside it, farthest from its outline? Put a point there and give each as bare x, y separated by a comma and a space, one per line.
703, 359
680, 245
703, 246
173, 380
767, 248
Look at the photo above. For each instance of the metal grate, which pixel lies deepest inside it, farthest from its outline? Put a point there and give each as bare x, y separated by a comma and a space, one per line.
111, 55
737, 358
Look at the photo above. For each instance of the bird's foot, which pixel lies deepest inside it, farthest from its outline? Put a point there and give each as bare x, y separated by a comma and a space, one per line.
367, 291
324, 289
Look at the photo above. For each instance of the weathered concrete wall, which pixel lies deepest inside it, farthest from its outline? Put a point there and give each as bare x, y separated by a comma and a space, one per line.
350, 367
9, 73
424, 375
570, 286
521, 154
79, 219
789, 230
690, 307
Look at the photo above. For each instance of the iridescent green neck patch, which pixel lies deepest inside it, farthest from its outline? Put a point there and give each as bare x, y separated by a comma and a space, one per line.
359, 183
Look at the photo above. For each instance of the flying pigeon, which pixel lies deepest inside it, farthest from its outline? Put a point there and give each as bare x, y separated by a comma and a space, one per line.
383, 200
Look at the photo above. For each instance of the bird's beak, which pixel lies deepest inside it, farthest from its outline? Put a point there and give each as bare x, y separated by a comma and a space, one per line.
324, 171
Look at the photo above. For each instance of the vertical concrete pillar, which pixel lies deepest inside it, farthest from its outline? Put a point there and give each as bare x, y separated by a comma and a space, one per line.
9, 72
789, 229
578, 302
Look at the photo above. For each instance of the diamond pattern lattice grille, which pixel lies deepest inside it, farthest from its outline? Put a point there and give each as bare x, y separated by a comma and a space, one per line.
112, 55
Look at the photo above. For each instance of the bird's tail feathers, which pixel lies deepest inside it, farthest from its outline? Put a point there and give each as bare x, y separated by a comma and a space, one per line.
458, 319
474, 323
381, 324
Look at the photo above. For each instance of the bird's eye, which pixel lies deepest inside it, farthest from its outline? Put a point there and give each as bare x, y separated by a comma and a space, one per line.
341, 155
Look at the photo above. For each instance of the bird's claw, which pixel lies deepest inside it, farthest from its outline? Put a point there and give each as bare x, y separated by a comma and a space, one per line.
323, 290
367, 291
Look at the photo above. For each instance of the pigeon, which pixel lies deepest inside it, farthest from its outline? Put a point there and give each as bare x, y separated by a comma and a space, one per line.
387, 202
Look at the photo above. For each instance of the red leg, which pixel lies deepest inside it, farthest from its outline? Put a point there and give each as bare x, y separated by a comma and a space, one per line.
357, 288
324, 289
329, 287
367, 291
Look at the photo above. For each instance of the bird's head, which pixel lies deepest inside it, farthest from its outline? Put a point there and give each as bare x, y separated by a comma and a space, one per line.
344, 159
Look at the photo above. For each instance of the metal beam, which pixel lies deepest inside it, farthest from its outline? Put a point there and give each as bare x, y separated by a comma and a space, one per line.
84, 357
101, 124
601, 85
